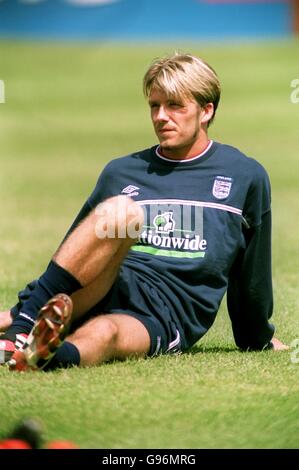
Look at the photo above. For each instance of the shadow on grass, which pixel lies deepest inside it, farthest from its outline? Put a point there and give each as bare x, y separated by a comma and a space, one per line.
212, 349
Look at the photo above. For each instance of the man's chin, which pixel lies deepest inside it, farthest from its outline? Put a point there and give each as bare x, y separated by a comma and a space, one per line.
167, 145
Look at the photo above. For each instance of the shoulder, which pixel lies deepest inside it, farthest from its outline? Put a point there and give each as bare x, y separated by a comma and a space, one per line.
236, 156
243, 162
257, 183
128, 160
251, 180
114, 176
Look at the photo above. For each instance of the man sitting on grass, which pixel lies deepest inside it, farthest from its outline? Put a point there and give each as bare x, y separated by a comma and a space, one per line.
165, 233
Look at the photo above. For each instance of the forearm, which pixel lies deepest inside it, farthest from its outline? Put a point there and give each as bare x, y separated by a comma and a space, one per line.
250, 296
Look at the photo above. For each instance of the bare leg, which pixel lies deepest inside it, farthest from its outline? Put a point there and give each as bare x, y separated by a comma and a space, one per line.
86, 298
110, 336
5, 320
105, 233
92, 255
97, 262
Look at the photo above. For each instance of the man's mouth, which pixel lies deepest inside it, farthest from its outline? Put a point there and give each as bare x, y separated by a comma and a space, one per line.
165, 130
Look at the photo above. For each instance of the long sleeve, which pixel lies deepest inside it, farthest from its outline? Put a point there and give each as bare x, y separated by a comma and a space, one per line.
249, 295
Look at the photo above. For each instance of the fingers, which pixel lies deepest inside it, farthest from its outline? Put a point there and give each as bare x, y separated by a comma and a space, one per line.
278, 345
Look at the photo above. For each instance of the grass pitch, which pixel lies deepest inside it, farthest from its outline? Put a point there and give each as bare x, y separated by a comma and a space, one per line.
69, 110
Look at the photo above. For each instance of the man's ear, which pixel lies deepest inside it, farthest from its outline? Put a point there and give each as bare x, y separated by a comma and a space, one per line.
206, 113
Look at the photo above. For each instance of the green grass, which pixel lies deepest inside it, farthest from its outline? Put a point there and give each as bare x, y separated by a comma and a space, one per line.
69, 110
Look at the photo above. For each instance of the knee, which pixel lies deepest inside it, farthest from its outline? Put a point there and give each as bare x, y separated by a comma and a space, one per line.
96, 340
119, 217
105, 330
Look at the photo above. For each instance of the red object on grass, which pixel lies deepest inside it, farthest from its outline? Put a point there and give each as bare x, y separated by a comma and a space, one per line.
61, 444
14, 444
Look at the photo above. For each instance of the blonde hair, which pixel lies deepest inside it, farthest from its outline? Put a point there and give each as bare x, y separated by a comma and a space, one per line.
184, 76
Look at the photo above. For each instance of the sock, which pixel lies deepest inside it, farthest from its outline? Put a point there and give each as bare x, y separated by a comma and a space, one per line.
66, 356
23, 295
54, 280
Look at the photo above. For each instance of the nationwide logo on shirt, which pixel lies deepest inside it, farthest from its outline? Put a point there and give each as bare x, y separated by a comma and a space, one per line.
172, 229
164, 223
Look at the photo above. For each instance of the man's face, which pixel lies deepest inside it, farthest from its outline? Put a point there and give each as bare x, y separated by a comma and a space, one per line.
177, 124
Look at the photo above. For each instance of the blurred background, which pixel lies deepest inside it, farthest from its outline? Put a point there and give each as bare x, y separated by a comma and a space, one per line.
151, 20
71, 83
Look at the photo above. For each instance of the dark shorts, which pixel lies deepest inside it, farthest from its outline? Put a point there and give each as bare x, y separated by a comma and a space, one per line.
132, 295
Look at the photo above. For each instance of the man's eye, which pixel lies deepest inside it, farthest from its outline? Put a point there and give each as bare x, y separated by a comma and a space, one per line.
174, 104
153, 105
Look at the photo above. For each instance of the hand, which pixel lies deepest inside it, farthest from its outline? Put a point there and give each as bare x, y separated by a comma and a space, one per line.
278, 345
5, 320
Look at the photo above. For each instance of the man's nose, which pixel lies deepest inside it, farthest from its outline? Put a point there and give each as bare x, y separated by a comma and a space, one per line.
162, 114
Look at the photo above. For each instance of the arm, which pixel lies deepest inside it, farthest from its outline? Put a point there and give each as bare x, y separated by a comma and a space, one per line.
249, 295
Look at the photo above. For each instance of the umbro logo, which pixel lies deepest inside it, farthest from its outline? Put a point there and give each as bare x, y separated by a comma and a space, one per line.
130, 190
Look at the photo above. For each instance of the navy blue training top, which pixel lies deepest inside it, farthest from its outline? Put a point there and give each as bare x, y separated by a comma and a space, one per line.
207, 230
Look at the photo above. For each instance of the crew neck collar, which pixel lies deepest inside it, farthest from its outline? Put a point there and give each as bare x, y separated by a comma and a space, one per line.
172, 160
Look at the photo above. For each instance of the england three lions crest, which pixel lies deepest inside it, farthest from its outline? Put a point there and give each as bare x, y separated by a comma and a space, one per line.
221, 187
